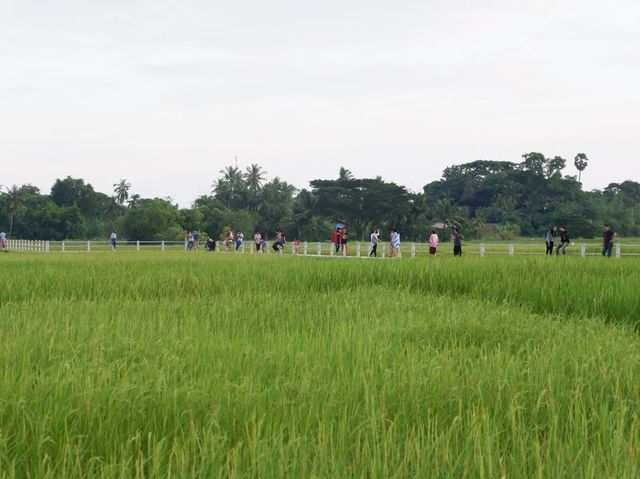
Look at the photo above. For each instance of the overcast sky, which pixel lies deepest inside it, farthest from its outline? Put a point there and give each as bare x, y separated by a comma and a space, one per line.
165, 94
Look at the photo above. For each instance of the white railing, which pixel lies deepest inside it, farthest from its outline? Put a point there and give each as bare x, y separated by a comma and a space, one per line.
27, 245
316, 249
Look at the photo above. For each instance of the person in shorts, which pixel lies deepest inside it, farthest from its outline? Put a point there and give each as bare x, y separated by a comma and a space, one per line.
344, 240
608, 240
196, 239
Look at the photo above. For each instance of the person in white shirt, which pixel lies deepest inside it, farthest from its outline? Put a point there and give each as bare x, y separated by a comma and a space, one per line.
257, 238
375, 239
114, 240
3, 241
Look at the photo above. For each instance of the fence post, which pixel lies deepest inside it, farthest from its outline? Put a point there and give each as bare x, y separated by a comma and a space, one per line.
510, 250
162, 245
62, 246
88, 246
482, 249
618, 254
137, 245
332, 250
319, 249
383, 250
583, 250
413, 251
358, 249
306, 248
47, 246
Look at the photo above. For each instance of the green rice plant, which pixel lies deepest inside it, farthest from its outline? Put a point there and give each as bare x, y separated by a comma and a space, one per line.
157, 364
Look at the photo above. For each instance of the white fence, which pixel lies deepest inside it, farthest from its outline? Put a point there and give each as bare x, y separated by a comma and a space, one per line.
27, 245
356, 249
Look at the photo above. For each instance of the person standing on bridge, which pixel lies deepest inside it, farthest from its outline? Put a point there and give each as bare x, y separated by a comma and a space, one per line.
550, 239
344, 240
565, 239
394, 237
375, 239
457, 241
608, 240
433, 243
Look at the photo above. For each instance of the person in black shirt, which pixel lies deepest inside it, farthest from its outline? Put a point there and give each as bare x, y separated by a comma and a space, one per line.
608, 239
564, 241
457, 241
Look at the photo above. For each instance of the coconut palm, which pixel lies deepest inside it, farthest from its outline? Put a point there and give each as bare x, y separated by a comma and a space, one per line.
121, 191
254, 176
345, 174
134, 201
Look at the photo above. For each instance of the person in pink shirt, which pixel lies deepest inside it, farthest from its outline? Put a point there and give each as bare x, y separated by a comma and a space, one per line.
433, 243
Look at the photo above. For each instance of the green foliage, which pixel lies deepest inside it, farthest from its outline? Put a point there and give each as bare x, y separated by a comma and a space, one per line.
152, 219
529, 196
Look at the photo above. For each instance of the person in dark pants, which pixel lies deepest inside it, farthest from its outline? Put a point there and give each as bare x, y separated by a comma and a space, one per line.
608, 239
564, 241
457, 241
550, 239
375, 239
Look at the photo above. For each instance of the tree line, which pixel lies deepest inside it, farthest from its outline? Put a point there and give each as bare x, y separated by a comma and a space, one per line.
486, 199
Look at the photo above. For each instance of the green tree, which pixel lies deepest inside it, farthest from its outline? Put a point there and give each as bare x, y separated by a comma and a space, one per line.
121, 191
580, 161
534, 162
554, 166
14, 202
153, 219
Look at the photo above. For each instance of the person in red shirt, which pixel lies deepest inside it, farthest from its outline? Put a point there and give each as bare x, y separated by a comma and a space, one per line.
336, 238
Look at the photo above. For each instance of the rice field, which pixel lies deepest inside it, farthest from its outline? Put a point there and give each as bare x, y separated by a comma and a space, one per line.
168, 364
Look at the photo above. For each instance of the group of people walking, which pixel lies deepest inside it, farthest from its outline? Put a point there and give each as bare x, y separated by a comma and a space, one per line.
556, 239
433, 240
551, 240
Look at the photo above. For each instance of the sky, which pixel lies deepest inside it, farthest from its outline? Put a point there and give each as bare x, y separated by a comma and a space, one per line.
167, 93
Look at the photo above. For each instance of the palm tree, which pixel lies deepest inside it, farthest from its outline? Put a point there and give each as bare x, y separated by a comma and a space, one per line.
121, 191
448, 213
345, 174
232, 175
580, 162
14, 200
134, 201
254, 177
